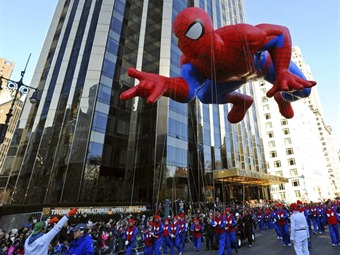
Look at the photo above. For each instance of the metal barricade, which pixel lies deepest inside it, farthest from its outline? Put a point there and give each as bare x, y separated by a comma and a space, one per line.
17, 221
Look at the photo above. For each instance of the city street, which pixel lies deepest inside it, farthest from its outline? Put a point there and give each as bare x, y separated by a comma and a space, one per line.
267, 243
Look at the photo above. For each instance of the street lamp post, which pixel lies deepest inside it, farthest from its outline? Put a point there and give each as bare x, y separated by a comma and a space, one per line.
19, 87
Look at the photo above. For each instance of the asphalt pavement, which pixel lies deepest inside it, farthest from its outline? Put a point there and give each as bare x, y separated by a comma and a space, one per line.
267, 243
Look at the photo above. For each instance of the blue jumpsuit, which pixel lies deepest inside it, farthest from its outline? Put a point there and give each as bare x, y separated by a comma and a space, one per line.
157, 230
196, 230
230, 238
130, 235
282, 217
167, 239
218, 223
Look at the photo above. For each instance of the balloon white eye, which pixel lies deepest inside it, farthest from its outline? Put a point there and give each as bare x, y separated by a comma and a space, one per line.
176, 39
195, 31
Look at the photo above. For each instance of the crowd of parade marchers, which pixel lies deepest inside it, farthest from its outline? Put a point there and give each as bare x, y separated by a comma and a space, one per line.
185, 226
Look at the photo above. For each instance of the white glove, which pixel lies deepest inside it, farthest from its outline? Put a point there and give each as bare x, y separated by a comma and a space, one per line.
214, 225
227, 228
172, 236
126, 243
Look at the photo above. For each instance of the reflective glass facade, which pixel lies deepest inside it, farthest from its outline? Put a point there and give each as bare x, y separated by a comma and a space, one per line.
82, 144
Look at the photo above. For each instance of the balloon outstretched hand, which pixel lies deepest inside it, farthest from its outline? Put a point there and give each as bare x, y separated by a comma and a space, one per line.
151, 86
287, 81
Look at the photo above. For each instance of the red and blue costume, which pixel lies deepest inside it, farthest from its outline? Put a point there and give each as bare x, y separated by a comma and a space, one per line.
273, 222
321, 218
218, 223
230, 229
157, 230
332, 220
148, 239
260, 219
182, 231
266, 220
174, 230
196, 230
167, 243
215, 63
130, 235
282, 222
315, 219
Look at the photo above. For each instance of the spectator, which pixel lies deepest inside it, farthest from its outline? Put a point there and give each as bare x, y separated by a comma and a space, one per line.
209, 232
82, 243
38, 242
3, 248
249, 224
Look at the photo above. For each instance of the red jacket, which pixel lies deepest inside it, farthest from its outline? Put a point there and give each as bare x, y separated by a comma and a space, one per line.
196, 230
331, 216
220, 224
167, 229
313, 210
174, 228
230, 223
129, 232
148, 238
282, 218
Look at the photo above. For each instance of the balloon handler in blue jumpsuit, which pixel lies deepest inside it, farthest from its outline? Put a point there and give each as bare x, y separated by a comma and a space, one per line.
218, 223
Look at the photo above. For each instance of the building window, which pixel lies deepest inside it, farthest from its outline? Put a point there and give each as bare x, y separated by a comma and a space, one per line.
273, 154
291, 161
269, 125
284, 122
285, 131
295, 183
281, 187
277, 163
279, 173
267, 116
270, 134
293, 172
264, 99
266, 107
288, 141
271, 144
297, 193
289, 151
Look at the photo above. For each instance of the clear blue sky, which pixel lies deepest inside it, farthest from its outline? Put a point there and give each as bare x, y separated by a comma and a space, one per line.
314, 26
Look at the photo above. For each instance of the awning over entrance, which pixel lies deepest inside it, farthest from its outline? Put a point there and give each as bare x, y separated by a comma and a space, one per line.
248, 177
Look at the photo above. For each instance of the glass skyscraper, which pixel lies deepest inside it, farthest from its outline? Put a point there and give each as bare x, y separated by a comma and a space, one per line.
81, 143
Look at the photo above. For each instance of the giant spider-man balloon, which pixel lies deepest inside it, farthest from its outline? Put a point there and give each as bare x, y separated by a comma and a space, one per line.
215, 63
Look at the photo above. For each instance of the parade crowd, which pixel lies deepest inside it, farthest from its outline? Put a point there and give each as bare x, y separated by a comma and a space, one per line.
182, 228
